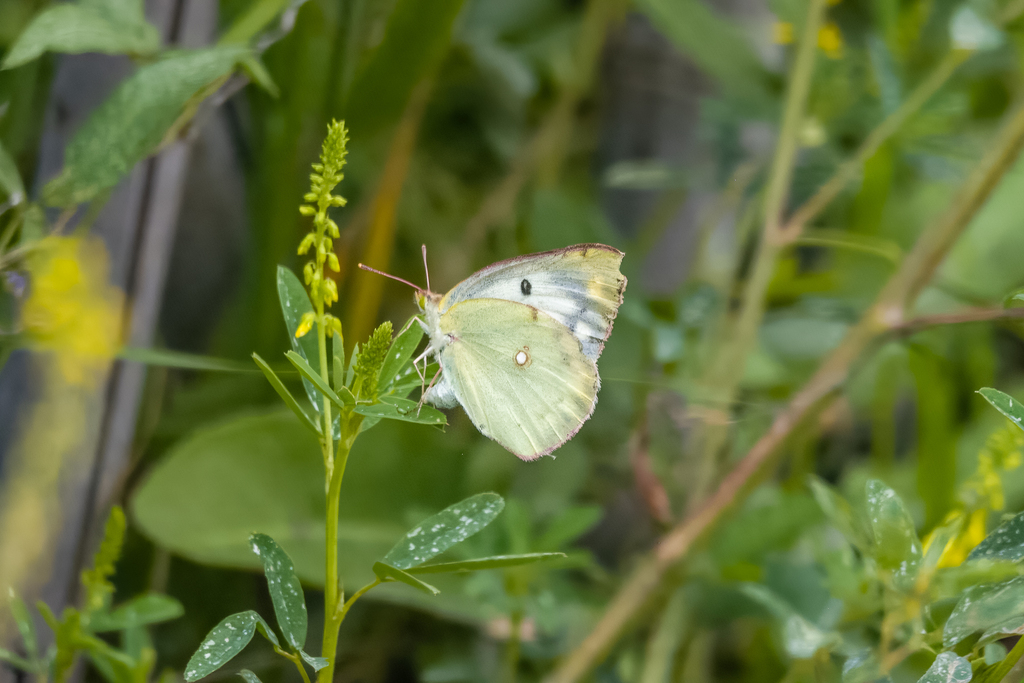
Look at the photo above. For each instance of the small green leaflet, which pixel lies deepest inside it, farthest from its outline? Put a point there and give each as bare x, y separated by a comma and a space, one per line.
479, 564
249, 676
145, 609
286, 395
285, 589
1005, 543
395, 408
948, 668
1005, 404
385, 572
897, 547
295, 304
226, 640
452, 525
341, 399
992, 609
399, 354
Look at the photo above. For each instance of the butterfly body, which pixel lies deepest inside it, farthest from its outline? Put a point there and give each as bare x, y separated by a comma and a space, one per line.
518, 344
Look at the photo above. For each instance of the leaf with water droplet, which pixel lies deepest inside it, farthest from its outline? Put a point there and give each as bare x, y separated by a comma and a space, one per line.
454, 524
838, 512
285, 589
1006, 542
316, 662
385, 572
993, 609
249, 676
1005, 404
395, 408
897, 547
948, 668
399, 354
224, 641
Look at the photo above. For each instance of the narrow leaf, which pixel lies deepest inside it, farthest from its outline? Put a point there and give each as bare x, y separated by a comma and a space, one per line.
344, 399
1005, 404
285, 589
1005, 543
399, 354
338, 351
145, 609
395, 408
992, 609
948, 668
11, 186
285, 395
131, 123
385, 572
495, 562
226, 640
897, 547
176, 359
77, 28
249, 676
26, 626
316, 662
452, 525
294, 305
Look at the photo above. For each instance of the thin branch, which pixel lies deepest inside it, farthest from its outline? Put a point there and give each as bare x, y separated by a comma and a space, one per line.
875, 139
971, 315
884, 315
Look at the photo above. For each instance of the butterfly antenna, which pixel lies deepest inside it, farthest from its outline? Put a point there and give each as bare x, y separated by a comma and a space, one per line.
393, 277
425, 268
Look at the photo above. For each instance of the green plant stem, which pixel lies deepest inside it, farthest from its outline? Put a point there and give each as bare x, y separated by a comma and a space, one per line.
725, 373
887, 312
296, 660
515, 637
355, 596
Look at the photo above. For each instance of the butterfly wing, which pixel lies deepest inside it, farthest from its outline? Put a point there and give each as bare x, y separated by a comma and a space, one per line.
579, 286
519, 374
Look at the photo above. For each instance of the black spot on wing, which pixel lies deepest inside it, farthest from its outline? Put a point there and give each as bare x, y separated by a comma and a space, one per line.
525, 287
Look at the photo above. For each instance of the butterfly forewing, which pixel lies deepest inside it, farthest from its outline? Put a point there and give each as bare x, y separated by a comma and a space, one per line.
579, 286
521, 376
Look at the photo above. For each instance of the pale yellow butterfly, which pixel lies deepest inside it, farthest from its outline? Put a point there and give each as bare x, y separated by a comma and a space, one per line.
518, 343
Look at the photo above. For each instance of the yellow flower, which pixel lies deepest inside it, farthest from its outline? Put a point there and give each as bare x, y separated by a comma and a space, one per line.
71, 310
830, 40
782, 33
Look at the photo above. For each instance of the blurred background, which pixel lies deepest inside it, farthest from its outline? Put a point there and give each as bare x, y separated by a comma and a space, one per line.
683, 132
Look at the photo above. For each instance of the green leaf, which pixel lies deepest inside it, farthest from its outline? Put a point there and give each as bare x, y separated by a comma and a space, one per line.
717, 46
1005, 404
132, 122
343, 400
316, 662
800, 637
861, 667
294, 305
415, 40
991, 609
896, 547
152, 608
285, 589
256, 71
286, 395
385, 572
26, 626
996, 673
249, 676
452, 525
479, 564
253, 20
11, 186
177, 359
224, 641
948, 668
399, 354
77, 28
1006, 542
838, 512
395, 408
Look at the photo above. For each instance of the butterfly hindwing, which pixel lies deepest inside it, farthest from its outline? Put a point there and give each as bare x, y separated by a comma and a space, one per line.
579, 286
519, 373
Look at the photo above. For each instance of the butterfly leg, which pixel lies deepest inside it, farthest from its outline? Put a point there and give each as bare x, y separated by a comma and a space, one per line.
423, 395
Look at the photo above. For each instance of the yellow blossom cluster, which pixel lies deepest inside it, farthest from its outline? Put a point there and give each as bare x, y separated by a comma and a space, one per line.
72, 311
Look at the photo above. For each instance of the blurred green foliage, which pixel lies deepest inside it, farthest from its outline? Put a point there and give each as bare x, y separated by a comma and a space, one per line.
883, 546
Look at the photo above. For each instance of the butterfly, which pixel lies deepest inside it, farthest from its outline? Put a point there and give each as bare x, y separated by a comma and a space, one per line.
518, 343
